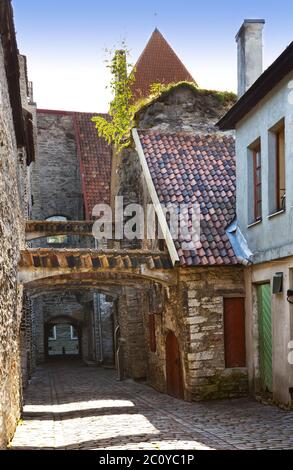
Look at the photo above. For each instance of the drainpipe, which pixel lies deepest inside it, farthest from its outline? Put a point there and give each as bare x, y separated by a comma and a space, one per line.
97, 314
97, 304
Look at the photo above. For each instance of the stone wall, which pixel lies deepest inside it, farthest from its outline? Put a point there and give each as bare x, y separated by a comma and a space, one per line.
27, 345
107, 328
57, 191
206, 374
24, 172
171, 318
185, 109
193, 311
131, 307
79, 308
56, 179
11, 240
62, 342
59, 306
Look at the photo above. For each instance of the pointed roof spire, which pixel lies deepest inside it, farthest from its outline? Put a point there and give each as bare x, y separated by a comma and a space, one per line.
158, 63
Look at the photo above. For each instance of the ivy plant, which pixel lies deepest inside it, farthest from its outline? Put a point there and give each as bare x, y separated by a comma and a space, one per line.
117, 129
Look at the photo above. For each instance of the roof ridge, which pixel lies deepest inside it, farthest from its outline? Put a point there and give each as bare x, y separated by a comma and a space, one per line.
158, 63
214, 135
63, 111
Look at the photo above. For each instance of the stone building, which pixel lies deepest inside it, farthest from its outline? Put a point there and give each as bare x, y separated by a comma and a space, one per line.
262, 118
160, 310
194, 326
182, 328
71, 176
16, 154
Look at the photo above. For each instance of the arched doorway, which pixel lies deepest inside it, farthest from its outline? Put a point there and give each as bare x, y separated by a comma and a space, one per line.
63, 339
174, 374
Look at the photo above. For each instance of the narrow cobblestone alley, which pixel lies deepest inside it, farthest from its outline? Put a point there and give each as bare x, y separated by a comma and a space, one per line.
69, 405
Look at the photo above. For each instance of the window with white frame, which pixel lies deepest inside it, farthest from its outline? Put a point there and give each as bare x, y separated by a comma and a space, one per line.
73, 332
53, 333
254, 182
277, 168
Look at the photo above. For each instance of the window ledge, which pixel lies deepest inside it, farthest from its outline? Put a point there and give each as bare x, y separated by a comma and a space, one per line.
276, 213
254, 223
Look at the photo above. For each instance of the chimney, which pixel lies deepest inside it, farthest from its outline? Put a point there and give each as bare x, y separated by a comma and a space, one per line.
249, 45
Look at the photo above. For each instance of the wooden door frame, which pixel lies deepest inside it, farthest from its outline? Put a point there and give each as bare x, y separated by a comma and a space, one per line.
180, 377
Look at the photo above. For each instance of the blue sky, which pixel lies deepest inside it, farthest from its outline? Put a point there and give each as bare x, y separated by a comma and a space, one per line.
65, 41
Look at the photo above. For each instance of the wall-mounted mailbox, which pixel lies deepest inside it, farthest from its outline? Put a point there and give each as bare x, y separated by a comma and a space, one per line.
290, 296
278, 283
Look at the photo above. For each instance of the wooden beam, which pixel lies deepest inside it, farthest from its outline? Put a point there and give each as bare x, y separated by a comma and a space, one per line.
155, 200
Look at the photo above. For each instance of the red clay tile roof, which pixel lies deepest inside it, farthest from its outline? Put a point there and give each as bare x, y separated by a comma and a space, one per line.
158, 63
196, 169
95, 161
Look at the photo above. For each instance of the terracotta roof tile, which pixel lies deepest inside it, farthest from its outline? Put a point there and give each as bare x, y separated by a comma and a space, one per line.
198, 164
158, 63
95, 160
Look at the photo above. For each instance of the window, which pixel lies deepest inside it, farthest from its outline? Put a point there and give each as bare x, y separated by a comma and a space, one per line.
57, 239
73, 332
257, 182
52, 333
234, 332
254, 182
277, 172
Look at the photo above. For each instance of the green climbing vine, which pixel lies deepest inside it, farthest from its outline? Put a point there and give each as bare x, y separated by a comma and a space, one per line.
117, 129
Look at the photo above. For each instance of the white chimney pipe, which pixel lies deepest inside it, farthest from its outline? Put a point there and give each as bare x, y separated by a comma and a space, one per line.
250, 45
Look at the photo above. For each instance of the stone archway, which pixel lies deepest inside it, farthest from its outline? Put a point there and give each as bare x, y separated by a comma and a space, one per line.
124, 274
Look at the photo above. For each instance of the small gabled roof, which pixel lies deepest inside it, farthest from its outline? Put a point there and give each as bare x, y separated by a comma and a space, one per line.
196, 169
263, 85
158, 63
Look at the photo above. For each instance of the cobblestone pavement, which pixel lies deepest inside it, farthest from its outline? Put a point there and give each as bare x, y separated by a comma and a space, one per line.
73, 406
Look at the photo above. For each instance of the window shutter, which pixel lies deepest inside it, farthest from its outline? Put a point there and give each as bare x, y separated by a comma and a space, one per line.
234, 332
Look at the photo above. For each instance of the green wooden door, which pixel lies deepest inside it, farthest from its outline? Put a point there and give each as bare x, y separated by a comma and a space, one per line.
265, 336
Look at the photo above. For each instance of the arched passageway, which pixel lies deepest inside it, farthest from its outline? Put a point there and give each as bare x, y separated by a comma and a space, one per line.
101, 290
63, 338
73, 322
